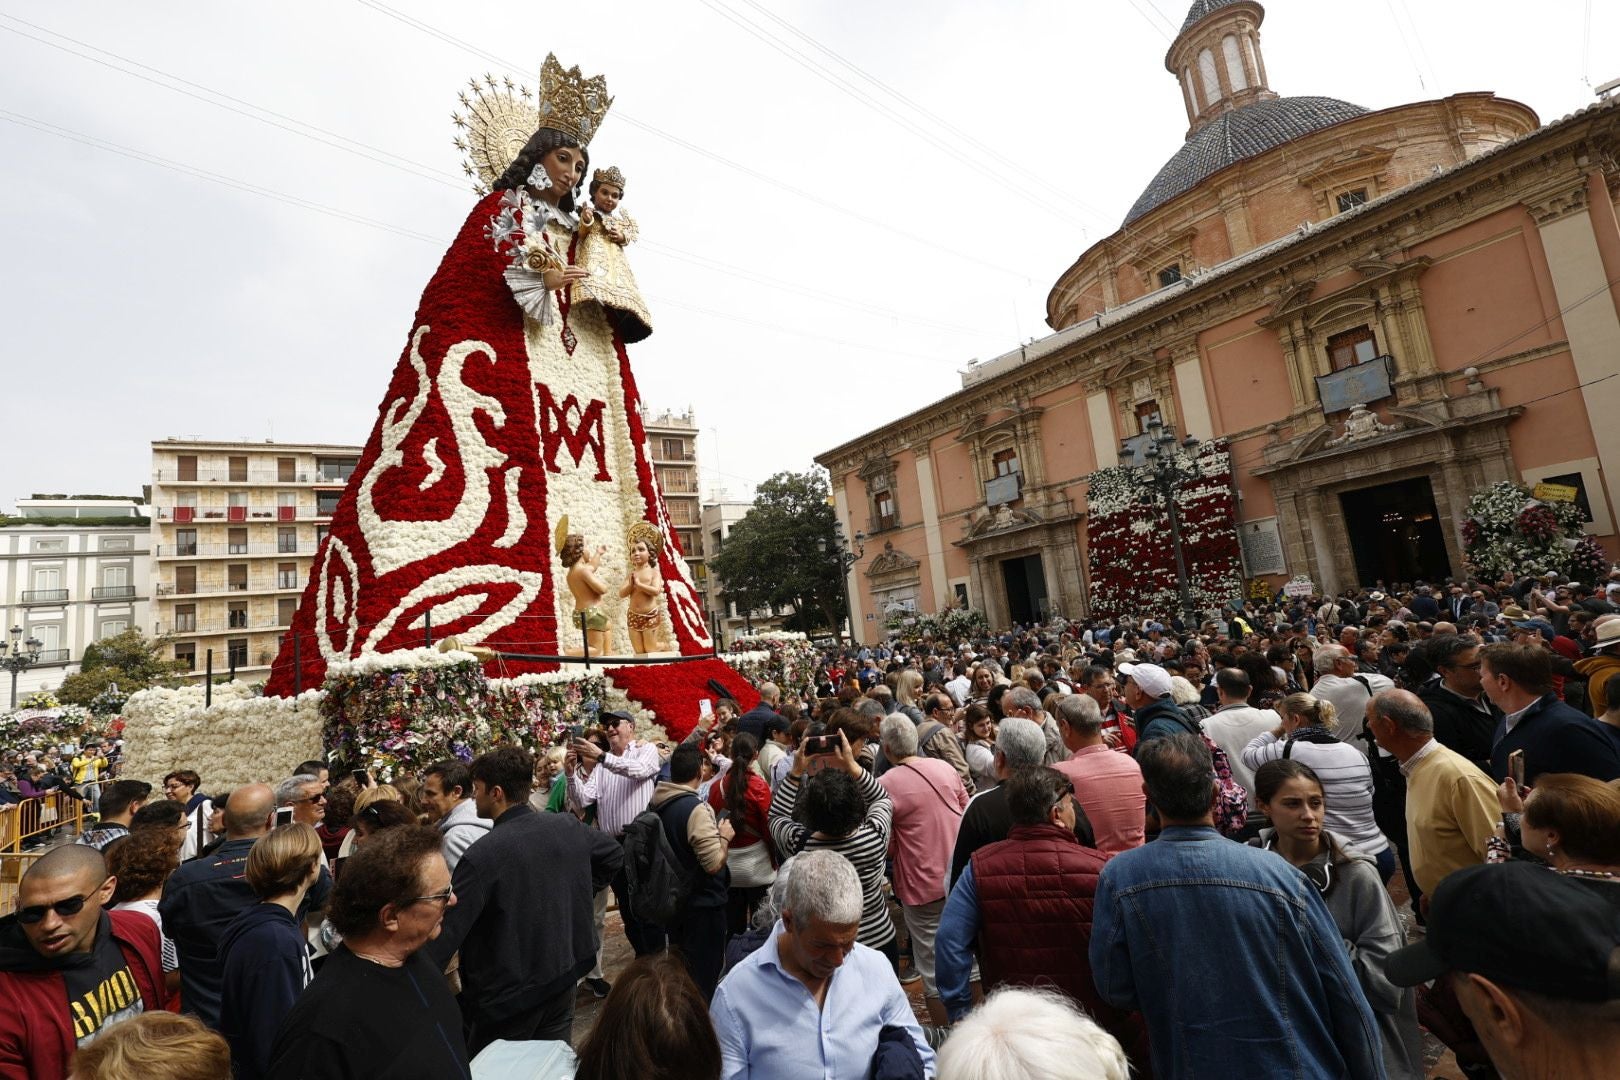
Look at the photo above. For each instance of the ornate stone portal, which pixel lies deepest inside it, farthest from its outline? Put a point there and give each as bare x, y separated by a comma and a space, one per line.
994, 535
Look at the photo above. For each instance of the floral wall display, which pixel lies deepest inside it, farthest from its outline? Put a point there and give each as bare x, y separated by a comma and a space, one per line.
1132, 562
951, 625
789, 661
242, 738
36, 727
1507, 532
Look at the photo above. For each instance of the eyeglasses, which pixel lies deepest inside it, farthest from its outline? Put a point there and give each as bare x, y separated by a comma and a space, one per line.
435, 898
312, 798
28, 916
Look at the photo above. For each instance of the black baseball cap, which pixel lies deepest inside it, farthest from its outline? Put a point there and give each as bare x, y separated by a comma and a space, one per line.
1522, 926
615, 714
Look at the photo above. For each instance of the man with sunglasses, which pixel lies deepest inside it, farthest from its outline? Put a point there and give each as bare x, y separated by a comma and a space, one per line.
69, 969
203, 897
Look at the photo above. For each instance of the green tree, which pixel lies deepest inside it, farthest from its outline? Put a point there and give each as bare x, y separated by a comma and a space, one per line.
130, 659
773, 557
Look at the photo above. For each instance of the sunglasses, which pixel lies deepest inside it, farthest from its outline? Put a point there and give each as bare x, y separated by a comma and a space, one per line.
435, 898
313, 798
28, 916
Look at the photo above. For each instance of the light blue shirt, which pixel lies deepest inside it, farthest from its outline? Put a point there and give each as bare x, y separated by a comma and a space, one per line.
769, 1025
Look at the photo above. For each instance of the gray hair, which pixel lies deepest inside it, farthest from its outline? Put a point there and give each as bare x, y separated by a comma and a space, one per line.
898, 736
1020, 697
291, 789
770, 909
1021, 742
1406, 710
871, 708
993, 1042
824, 886
1182, 691
770, 693
1323, 659
1081, 712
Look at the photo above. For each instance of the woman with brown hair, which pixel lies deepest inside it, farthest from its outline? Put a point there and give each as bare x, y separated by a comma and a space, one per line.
265, 958
142, 862
1572, 822
154, 1046
745, 798
979, 745
653, 1026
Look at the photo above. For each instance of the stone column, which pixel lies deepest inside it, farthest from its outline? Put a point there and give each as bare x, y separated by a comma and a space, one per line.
852, 582
1103, 442
1189, 380
1590, 322
930, 521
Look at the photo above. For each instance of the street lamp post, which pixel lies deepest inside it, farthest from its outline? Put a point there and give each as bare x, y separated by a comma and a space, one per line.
1168, 474
18, 656
846, 559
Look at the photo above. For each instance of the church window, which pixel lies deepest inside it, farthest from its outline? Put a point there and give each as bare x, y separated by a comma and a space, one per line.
1146, 413
883, 511
1349, 200
1207, 75
1170, 275
1352, 347
1234, 63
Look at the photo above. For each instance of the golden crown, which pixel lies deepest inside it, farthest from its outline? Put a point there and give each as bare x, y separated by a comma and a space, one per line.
609, 175
648, 533
571, 103
499, 116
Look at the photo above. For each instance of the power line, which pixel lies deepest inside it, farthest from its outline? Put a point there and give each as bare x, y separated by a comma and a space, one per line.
336, 140
1160, 30
975, 258
840, 83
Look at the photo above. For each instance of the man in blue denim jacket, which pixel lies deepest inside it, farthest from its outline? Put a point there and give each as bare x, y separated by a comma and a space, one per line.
1231, 957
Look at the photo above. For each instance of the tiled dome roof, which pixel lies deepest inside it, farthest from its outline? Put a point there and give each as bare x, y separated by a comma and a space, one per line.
1239, 134
1201, 8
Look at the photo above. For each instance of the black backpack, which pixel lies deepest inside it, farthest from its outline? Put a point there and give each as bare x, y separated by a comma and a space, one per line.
659, 884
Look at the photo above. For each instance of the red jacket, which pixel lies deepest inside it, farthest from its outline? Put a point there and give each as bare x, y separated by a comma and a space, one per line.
1035, 891
36, 1029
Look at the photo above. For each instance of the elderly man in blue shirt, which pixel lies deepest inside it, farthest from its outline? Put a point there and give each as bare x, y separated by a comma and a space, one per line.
812, 1003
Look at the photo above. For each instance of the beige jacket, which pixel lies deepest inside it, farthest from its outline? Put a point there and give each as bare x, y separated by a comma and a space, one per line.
702, 830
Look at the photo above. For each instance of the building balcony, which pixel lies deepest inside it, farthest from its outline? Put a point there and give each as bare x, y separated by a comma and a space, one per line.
683, 455
44, 596
227, 551
235, 589
113, 592
248, 477
193, 628
53, 658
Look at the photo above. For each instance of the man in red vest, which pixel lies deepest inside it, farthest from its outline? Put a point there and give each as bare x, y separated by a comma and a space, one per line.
1028, 899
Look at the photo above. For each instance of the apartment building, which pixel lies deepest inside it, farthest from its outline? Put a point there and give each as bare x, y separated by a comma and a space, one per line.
726, 621
234, 530
73, 570
672, 439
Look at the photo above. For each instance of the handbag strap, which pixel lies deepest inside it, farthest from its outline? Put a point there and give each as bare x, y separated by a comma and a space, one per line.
948, 805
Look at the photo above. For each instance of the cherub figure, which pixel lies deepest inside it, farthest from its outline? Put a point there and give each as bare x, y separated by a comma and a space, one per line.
644, 587
585, 582
607, 191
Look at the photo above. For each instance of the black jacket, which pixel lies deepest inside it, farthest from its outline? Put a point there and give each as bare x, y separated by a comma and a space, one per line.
523, 913
266, 963
1557, 739
753, 721
1459, 726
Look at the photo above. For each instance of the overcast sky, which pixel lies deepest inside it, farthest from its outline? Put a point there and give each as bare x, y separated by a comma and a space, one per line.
817, 261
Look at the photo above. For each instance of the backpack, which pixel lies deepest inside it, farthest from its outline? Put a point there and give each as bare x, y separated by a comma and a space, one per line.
1232, 805
659, 885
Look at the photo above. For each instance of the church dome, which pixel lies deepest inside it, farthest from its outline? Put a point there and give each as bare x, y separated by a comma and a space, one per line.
1200, 9
1241, 133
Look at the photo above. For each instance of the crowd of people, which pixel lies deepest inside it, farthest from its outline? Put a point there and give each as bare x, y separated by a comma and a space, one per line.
1094, 848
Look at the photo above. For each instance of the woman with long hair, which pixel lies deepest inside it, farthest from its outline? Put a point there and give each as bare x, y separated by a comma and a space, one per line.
142, 862
1306, 735
979, 744
653, 1026
1290, 794
745, 798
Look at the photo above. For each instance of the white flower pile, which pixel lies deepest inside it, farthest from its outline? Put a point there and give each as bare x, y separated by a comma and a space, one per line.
242, 739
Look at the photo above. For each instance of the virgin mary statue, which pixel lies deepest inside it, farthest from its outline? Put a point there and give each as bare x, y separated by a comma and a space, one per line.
510, 434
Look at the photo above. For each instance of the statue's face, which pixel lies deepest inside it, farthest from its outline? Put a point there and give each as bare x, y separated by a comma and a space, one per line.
566, 167
606, 197
640, 555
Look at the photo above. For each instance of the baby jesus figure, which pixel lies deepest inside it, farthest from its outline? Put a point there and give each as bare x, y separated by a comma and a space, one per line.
603, 234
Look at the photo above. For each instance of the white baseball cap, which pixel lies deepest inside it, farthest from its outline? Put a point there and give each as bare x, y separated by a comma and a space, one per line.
1153, 679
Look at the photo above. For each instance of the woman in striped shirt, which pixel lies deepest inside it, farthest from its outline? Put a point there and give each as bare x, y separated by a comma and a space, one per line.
842, 808
1306, 736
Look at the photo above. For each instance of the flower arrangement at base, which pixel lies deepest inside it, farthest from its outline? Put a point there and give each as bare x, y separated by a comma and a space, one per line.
1132, 562
397, 712
951, 625
790, 664
1508, 532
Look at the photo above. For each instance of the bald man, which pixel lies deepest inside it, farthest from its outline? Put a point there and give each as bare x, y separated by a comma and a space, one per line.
69, 969
202, 897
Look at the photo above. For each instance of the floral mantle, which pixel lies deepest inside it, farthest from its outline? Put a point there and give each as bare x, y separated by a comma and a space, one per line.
1508, 532
784, 658
1132, 562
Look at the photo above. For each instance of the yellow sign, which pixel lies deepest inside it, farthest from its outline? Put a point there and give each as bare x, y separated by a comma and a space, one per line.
1555, 493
